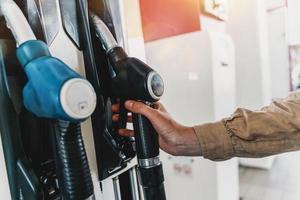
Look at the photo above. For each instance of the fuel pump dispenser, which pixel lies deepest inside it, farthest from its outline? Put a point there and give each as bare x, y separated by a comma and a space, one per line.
61, 69
55, 92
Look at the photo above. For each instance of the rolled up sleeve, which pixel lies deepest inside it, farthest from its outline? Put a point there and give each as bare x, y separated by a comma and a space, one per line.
215, 141
272, 130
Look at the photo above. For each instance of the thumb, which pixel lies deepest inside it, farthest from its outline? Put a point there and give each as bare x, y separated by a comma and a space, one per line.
143, 109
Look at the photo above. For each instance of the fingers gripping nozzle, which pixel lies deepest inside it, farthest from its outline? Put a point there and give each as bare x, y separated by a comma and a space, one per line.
53, 89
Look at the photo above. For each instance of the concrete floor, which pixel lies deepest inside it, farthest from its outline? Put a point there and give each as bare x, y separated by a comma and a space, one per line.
282, 182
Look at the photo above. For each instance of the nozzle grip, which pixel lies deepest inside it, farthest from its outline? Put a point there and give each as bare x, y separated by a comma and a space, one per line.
146, 137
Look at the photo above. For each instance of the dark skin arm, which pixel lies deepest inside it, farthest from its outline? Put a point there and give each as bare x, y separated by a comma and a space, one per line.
174, 138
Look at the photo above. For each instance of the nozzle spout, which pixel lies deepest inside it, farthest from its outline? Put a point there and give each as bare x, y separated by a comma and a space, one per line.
103, 32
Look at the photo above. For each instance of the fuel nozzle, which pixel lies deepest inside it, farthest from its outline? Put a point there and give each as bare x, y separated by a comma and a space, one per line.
54, 90
135, 80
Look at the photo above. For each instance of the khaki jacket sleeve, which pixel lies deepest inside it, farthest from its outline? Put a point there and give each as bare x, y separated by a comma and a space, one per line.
274, 129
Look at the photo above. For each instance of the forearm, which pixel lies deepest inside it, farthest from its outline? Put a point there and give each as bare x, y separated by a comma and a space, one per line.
187, 143
275, 129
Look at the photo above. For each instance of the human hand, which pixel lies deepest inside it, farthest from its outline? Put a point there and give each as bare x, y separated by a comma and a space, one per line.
174, 138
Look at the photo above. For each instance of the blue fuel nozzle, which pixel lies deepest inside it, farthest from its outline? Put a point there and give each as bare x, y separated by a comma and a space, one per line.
54, 90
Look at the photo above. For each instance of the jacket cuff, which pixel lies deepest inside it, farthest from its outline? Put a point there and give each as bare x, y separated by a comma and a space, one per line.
215, 141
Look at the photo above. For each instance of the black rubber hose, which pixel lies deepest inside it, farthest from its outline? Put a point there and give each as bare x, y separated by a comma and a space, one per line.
155, 193
72, 163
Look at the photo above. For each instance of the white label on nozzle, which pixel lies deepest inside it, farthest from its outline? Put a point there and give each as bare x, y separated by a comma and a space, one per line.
155, 85
78, 98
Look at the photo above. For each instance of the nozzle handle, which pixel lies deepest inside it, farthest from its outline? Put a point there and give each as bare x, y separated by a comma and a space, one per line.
146, 137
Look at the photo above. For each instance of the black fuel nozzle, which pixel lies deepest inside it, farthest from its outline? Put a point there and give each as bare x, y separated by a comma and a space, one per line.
137, 81
133, 79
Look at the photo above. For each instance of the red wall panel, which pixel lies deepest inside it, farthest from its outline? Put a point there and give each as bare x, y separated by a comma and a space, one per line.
165, 18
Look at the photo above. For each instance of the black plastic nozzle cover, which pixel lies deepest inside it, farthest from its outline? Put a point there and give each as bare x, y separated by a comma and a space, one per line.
130, 78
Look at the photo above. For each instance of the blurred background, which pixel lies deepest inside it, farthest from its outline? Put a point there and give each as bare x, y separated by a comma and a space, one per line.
215, 56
